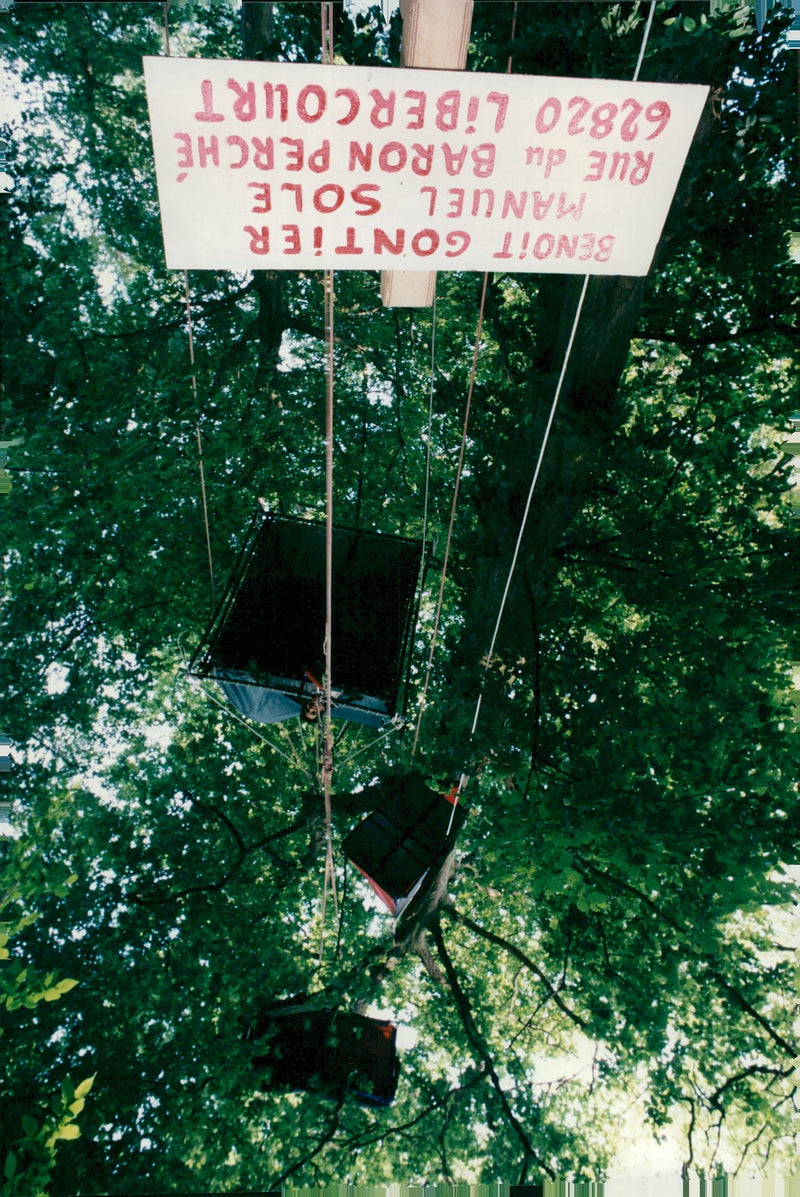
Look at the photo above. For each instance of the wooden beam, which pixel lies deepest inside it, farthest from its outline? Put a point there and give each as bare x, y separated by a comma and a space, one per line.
436, 33
435, 36
408, 288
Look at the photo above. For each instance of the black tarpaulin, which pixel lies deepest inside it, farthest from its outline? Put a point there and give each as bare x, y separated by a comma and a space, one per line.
329, 1050
265, 645
411, 829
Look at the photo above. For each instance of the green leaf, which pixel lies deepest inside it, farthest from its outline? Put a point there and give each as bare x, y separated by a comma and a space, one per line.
65, 985
70, 1131
647, 617
84, 1087
29, 1125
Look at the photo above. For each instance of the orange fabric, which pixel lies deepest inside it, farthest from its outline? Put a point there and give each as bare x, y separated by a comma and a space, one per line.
384, 897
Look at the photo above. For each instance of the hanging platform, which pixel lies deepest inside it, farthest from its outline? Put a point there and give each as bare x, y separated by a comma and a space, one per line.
403, 838
331, 1051
265, 645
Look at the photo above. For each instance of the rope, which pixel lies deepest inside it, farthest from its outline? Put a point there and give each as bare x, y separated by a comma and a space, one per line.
300, 753
329, 883
459, 470
513, 35
545, 438
165, 7
644, 40
327, 750
295, 763
326, 30
338, 951
329, 367
190, 331
423, 565
373, 743
429, 435
478, 333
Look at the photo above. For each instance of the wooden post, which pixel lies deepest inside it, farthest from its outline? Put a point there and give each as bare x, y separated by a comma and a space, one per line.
435, 36
436, 33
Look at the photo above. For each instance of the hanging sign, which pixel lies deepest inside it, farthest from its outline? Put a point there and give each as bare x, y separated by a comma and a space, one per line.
287, 166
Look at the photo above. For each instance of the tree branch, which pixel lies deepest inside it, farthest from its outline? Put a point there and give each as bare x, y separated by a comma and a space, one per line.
479, 1046
450, 908
752, 1070
322, 1140
769, 324
686, 934
358, 1141
155, 327
244, 850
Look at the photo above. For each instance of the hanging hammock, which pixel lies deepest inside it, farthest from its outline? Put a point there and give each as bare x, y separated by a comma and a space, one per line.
330, 1051
411, 830
265, 644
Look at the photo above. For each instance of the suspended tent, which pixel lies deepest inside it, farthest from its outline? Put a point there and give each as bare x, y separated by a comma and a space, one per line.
410, 831
332, 1051
265, 644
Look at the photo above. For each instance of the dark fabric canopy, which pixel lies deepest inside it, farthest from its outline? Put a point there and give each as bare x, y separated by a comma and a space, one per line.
265, 645
325, 1049
411, 829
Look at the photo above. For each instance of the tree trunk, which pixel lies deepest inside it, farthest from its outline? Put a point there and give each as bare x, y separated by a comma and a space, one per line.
259, 43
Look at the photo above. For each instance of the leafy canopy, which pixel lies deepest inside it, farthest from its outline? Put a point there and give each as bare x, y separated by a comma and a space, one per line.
632, 796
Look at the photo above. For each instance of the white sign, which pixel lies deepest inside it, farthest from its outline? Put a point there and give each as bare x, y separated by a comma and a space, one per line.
286, 166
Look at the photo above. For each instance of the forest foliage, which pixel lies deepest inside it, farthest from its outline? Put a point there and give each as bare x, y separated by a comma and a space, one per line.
607, 934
